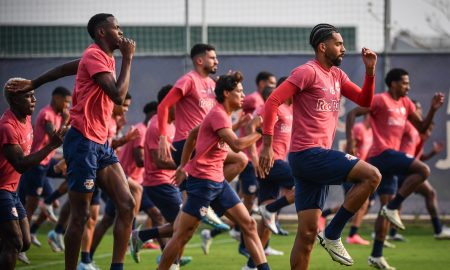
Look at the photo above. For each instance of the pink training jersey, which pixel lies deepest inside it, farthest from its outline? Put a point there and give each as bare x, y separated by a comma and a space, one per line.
126, 156
282, 130
388, 118
410, 141
363, 137
92, 108
316, 105
210, 149
12, 131
41, 138
198, 99
152, 175
112, 130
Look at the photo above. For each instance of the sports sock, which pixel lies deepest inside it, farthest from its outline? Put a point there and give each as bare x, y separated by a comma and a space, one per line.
396, 202
263, 266
215, 232
353, 231
116, 266
392, 231
250, 263
59, 229
377, 250
277, 205
52, 197
85, 257
437, 226
334, 229
34, 227
146, 235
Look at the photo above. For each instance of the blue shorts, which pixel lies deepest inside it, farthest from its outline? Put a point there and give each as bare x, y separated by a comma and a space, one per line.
314, 170
202, 193
51, 170
167, 198
146, 202
176, 154
280, 176
248, 181
10, 206
44, 191
390, 163
84, 158
32, 181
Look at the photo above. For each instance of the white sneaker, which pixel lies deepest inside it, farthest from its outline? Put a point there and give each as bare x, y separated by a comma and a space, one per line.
174, 267
48, 210
35, 241
53, 241
392, 216
245, 267
135, 244
86, 266
235, 234
206, 240
268, 218
388, 244
212, 219
444, 235
23, 258
397, 237
379, 263
271, 251
336, 249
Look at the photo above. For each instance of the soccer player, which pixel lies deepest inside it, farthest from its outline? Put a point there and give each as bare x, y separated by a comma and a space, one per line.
90, 159
390, 111
193, 94
16, 137
34, 180
317, 87
205, 185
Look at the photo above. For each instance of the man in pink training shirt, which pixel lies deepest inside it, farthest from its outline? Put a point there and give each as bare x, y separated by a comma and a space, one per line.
317, 88
16, 137
206, 185
390, 111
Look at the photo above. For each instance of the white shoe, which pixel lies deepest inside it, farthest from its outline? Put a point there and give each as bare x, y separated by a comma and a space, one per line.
336, 249
134, 245
271, 251
23, 258
206, 240
86, 266
245, 267
174, 267
212, 219
48, 210
379, 263
53, 240
445, 234
235, 234
388, 244
393, 217
35, 241
268, 218
397, 237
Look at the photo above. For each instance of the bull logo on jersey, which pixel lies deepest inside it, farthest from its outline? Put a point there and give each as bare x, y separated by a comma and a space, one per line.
223, 145
350, 157
14, 212
252, 189
89, 184
203, 210
39, 191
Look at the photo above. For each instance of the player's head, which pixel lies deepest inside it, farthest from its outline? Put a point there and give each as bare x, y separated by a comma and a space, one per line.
150, 109
23, 101
204, 57
121, 110
397, 80
104, 26
327, 41
161, 95
229, 89
264, 79
61, 98
266, 92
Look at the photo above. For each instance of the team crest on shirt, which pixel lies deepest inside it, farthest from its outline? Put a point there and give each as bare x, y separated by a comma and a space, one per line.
39, 191
223, 145
252, 188
350, 157
14, 212
89, 184
203, 211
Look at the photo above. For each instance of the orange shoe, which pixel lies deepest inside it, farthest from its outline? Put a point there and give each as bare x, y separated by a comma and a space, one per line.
322, 223
356, 239
150, 245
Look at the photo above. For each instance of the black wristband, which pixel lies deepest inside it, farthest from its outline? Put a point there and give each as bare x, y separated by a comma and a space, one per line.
259, 130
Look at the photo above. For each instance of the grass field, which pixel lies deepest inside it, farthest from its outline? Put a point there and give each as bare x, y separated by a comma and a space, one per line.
421, 251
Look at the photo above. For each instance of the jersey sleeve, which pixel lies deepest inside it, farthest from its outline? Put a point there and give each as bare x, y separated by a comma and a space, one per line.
219, 121
410, 107
8, 135
95, 62
302, 77
184, 84
152, 137
139, 141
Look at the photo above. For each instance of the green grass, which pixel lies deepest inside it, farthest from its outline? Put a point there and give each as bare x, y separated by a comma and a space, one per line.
421, 251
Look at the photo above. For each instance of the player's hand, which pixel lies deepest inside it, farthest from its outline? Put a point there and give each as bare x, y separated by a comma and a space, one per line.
19, 85
127, 47
243, 120
370, 60
61, 167
65, 116
437, 101
58, 136
180, 175
265, 161
438, 147
164, 151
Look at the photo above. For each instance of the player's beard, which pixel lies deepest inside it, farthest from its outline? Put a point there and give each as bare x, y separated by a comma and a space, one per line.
335, 60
